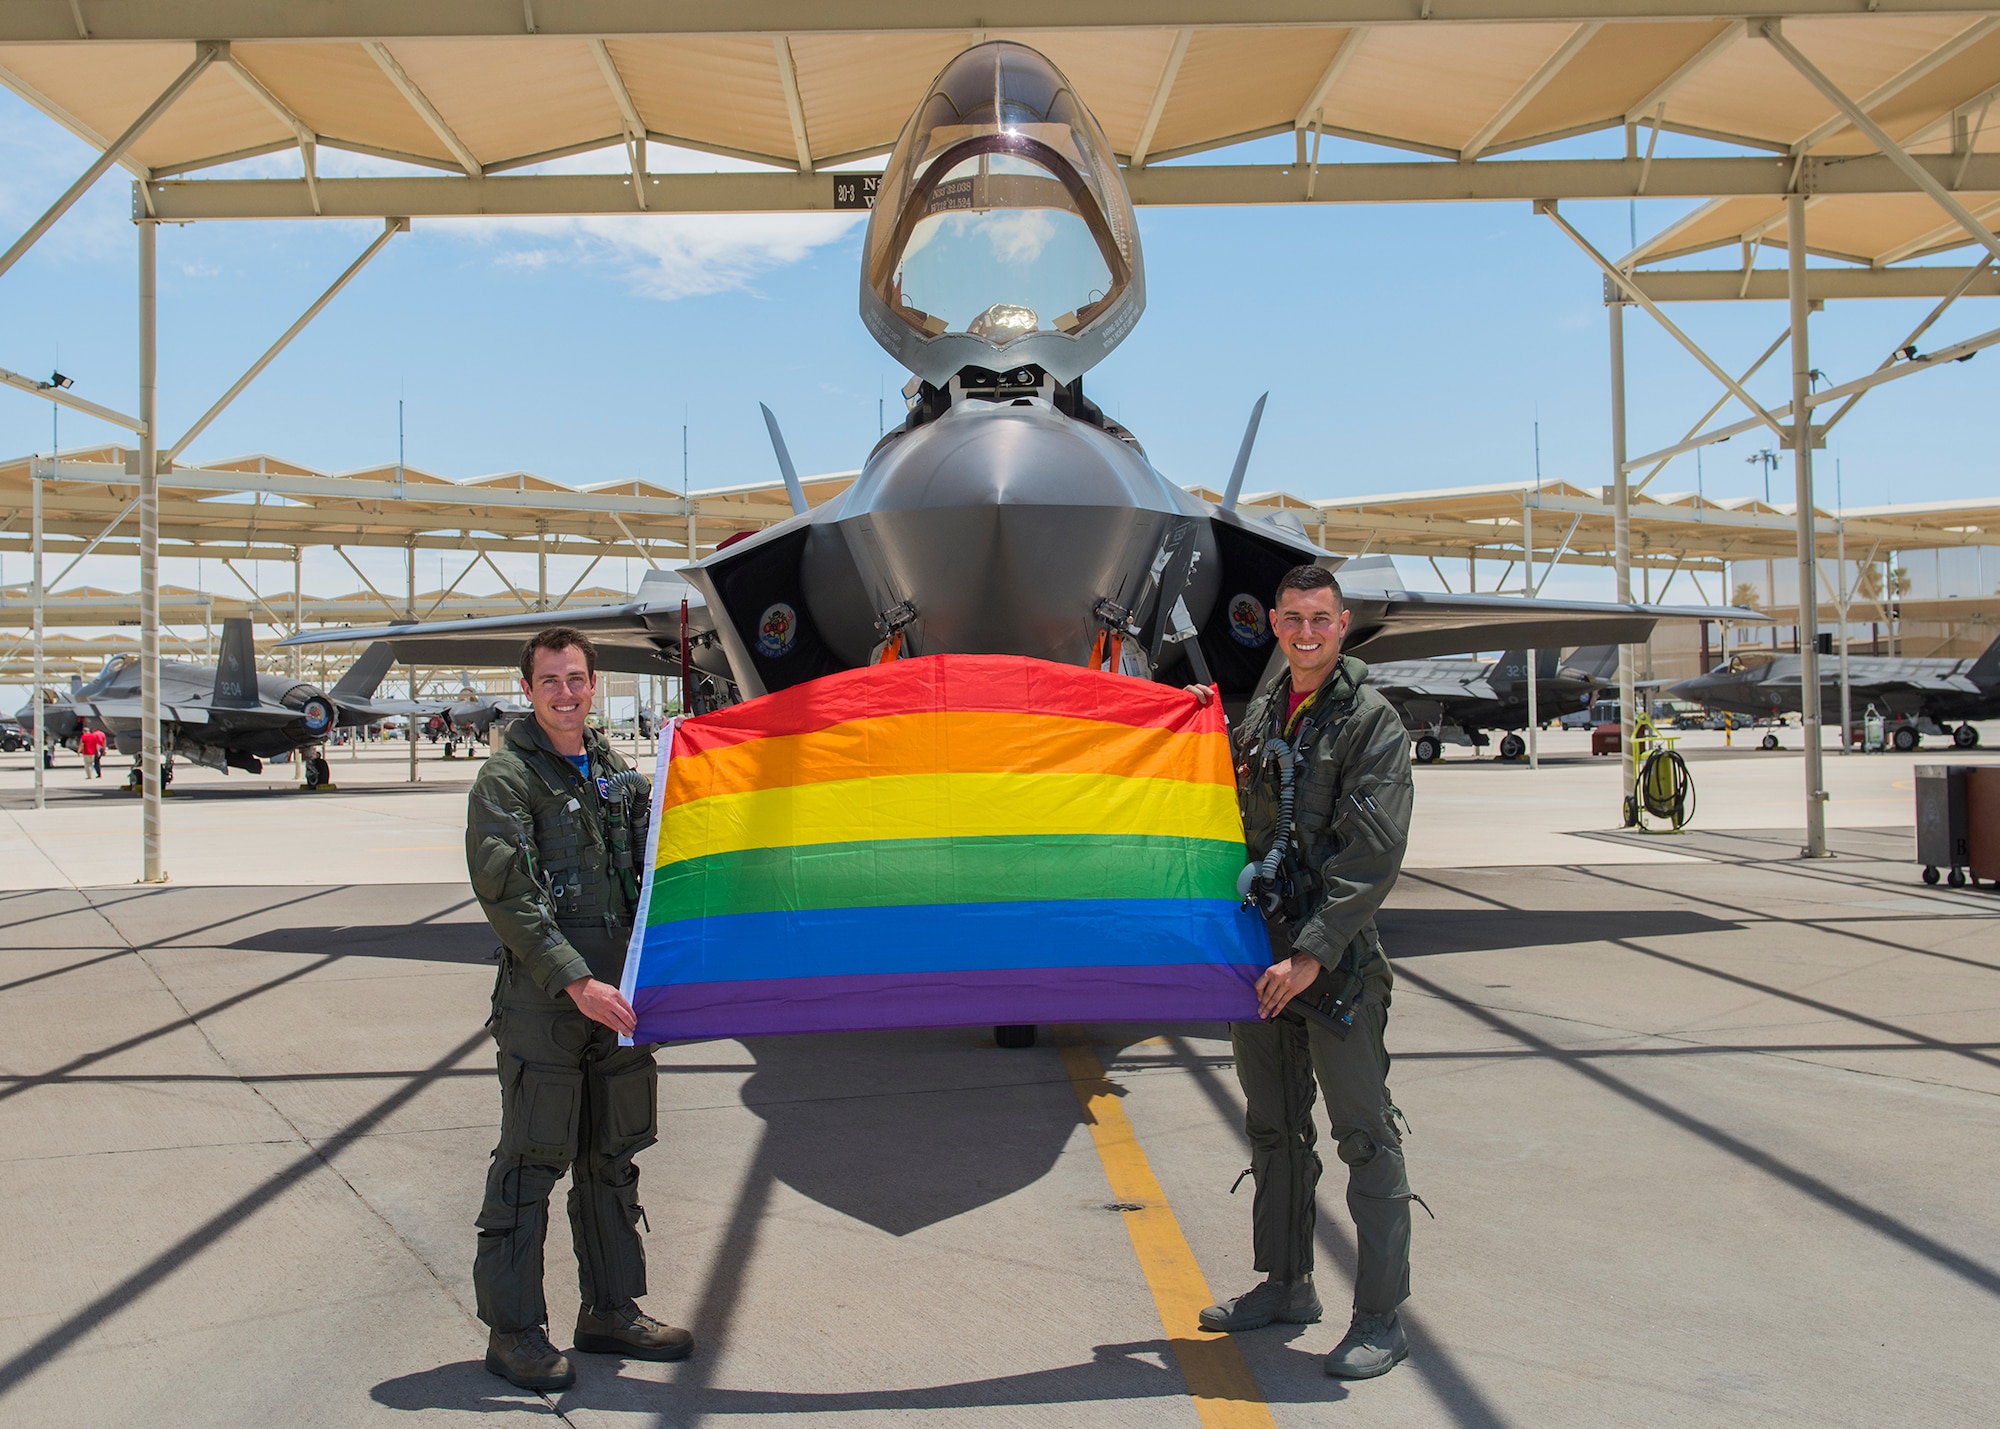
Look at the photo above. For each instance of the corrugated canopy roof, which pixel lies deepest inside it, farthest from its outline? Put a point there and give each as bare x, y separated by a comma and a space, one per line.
485, 102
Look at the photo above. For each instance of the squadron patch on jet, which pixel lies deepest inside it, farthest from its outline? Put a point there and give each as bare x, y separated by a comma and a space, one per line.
1247, 625
777, 631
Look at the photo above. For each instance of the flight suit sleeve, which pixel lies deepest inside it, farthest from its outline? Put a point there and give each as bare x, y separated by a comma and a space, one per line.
499, 844
1371, 822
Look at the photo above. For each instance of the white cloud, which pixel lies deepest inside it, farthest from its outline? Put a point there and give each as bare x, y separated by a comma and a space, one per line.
666, 256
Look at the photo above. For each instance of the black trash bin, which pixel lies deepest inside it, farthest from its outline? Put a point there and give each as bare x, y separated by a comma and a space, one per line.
1941, 824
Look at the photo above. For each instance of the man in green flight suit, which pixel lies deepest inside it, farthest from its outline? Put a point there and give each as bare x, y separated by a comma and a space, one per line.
1323, 771
554, 833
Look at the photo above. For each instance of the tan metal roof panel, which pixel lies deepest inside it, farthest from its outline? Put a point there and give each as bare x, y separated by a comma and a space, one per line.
1619, 66
722, 90
1438, 87
857, 90
1240, 81
339, 91
478, 87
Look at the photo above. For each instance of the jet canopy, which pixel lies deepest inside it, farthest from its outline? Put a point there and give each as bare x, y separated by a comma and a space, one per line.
1002, 234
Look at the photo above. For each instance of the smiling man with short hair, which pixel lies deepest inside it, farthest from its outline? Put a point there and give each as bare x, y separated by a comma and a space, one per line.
554, 839
1323, 772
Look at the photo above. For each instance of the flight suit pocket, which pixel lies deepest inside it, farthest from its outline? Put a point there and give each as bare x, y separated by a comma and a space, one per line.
540, 1114
630, 1112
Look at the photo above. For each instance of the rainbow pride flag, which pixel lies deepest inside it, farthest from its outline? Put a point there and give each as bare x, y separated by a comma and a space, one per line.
957, 840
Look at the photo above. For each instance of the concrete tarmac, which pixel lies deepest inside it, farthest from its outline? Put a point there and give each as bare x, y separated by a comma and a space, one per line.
1712, 1136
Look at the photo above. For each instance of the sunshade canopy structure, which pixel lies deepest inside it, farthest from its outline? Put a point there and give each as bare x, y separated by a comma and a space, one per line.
1865, 125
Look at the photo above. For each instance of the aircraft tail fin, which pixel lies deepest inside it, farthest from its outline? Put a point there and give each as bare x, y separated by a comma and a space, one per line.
1234, 487
1985, 671
1594, 662
1510, 672
236, 665
75, 686
366, 673
796, 492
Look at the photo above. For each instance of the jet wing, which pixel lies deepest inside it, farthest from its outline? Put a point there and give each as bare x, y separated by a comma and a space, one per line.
134, 710
1406, 625
641, 637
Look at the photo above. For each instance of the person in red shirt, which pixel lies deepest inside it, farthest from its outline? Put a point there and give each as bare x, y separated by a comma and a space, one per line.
91, 744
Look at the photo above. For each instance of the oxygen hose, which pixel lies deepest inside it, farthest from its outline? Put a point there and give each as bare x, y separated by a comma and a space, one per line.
1666, 787
1266, 871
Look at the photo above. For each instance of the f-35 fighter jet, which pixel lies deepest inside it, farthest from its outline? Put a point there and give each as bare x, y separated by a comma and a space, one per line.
1916, 695
1470, 697
228, 716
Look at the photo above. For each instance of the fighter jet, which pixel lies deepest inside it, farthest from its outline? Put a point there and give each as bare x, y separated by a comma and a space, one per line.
1917, 696
645, 636
228, 716
1469, 697
1008, 514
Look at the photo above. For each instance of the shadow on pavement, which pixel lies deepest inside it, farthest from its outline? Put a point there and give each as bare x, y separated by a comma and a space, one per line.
465, 1386
902, 1152
429, 943
1423, 932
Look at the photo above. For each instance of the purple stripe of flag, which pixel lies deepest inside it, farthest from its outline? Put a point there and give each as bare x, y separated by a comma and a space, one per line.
1209, 992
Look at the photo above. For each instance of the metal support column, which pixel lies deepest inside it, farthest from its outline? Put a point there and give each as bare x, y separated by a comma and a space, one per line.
541, 565
410, 724
1528, 589
1621, 554
298, 609
1801, 442
1842, 590
41, 673
151, 870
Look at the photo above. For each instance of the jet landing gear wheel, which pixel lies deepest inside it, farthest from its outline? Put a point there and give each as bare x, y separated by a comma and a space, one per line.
1512, 746
1905, 739
319, 774
1769, 741
1429, 749
1965, 737
1014, 1038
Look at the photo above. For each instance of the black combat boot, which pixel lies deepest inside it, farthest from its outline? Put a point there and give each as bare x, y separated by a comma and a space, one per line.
1374, 1345
1293, 1301
525, 1358
627, 1330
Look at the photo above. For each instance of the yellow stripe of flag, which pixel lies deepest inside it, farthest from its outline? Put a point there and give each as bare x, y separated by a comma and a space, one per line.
949, 806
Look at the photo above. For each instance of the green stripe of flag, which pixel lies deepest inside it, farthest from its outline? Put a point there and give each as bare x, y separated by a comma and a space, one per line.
908, 872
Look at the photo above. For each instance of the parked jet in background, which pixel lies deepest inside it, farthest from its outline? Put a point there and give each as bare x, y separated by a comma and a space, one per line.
1916, 695
228, 716
1473, 696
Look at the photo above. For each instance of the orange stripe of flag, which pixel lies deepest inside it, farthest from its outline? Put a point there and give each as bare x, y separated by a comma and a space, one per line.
950, 742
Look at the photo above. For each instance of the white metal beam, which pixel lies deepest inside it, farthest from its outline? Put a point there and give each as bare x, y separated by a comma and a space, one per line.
1696, 63
1161, 91
204, 55
427, 111
1938, 237
1633, 291
795, 109
1891, 150
1342, 58
1896, 84
1537, 82
302, 134
628, 112
1956, 352
1522, 180
390, 229
63, 398
364, 20
69, 121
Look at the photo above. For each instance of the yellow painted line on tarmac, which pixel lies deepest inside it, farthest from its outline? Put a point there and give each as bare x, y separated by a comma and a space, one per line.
1225, 1393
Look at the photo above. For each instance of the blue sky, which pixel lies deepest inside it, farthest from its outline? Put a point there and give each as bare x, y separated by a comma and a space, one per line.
1404, 348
